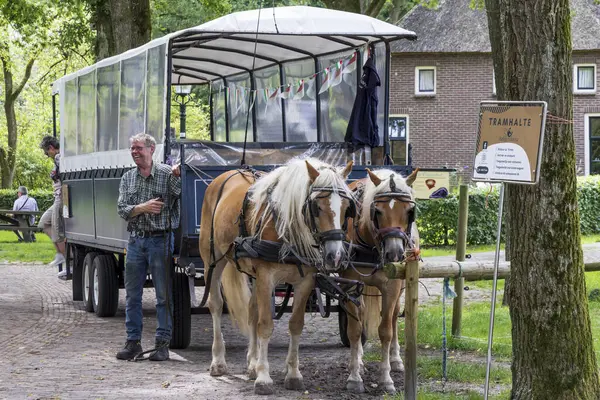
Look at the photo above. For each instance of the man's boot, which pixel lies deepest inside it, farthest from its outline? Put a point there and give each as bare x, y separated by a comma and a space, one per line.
132, 348
162, 351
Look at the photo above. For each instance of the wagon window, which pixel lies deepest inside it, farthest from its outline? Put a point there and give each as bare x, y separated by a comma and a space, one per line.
300, 114
337, 100
132, 102
69, 125
218, 111
86, 121
237, 97
398, 133
155, 93
268, 113
108, 107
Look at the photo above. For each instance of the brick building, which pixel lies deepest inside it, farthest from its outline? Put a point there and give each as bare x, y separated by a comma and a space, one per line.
438, 81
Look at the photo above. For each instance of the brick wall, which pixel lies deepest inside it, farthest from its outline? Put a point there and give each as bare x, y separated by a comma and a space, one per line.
443, 128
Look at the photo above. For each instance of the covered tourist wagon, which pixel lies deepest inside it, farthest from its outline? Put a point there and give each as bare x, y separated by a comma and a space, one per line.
280, 83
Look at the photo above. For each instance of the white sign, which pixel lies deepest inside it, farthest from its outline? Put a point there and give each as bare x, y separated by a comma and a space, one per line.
509, 142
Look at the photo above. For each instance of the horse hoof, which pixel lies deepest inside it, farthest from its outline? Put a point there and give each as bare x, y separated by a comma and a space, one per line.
218, 369
397, 366
262, 388
388, 388
252, 373
355, 387
294, 384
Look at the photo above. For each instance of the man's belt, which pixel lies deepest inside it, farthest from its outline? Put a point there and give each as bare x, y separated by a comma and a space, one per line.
147, 234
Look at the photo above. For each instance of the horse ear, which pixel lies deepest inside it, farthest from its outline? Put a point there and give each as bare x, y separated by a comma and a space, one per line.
313, 174
411, 178
348, 169
374, 178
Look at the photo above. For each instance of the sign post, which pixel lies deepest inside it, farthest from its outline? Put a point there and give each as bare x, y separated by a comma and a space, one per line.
509, 149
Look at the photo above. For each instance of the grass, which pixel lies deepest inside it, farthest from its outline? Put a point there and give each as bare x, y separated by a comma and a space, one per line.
11, 250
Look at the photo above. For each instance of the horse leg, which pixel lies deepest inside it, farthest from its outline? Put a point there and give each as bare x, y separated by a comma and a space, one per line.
355, 383
252, 356
293, 377
395, 360
389, 296
218, 365
264, 289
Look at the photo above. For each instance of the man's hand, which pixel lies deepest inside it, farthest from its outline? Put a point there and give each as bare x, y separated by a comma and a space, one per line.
152, 206
176, 170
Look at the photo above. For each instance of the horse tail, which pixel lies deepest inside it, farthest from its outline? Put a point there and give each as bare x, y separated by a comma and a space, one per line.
237, 295
372, 311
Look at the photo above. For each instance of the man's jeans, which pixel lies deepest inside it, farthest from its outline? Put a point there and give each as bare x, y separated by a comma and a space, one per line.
148, 254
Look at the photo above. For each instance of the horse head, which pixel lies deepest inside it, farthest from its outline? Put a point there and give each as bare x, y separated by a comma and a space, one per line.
327, 208
389, 206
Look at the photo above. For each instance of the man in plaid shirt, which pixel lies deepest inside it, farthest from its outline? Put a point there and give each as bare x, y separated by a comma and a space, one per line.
148, 201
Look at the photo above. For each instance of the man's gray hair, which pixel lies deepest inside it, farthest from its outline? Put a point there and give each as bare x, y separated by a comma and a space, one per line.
143, 137
22, 190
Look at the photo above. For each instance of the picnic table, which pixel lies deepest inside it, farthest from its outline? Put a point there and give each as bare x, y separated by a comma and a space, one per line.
19, 221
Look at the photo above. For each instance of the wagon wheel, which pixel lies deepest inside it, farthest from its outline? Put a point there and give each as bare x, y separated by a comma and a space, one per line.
87, 280
105, 286
343, 324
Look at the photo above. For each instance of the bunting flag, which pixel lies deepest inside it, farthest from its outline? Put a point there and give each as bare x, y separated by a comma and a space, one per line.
310, 90
285, 92
341, 70
299, 92
336, 79
326, 81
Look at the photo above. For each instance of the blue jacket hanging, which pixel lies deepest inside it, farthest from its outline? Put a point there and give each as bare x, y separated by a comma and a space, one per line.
362, 127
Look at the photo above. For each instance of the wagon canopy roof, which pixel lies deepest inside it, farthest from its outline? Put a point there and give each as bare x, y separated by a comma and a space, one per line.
226, 45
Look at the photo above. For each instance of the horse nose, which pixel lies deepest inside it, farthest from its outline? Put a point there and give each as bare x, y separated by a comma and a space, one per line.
392, 256
333, 259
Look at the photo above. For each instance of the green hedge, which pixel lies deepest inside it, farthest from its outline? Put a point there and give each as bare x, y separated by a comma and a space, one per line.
438, 219
44, 198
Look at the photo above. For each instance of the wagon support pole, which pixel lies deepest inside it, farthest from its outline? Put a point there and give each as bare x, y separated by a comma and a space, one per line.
410, 330
461, 249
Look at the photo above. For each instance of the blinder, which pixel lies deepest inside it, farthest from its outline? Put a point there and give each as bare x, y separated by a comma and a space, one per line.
313, 207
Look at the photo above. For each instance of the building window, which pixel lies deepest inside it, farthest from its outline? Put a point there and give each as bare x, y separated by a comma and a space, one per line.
584, 78
493, 82
594, 135
398, 134
425, 81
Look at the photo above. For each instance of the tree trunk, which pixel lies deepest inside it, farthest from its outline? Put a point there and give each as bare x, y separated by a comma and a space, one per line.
553, 355
120, 25
11, 94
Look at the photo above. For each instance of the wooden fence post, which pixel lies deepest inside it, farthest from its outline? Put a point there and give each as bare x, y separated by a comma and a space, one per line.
410, 329
461, 249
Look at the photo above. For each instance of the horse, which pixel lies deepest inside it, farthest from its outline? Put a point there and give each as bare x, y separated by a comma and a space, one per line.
384, 230
297, 211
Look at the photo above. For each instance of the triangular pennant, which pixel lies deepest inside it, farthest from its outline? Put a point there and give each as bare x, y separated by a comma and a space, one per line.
336, 77
299, 91
286, 92
310, 90
350, 64
326, 81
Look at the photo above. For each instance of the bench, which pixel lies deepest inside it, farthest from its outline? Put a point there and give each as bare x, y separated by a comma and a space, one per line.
18, 221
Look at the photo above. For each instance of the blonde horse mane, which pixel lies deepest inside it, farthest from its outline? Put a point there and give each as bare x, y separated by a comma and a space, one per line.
290, 185
371, 191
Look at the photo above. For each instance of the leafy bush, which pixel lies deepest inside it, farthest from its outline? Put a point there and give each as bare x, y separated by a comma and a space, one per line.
438, 219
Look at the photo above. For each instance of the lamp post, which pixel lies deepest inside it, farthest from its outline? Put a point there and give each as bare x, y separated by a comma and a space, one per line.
182, 97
